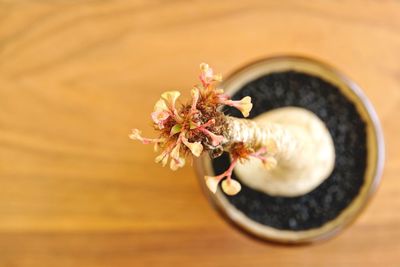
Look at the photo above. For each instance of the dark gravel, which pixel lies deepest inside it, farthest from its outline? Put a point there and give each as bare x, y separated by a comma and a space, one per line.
347, 128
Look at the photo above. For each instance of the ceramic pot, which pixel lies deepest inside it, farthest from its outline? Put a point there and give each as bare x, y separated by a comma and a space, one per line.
356, 133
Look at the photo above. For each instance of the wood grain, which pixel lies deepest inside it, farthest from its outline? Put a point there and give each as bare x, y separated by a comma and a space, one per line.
76, 76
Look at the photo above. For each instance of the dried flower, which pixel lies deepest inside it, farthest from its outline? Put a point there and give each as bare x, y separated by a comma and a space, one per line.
196, 148
163, 158
207, 75
215, 139
244, 105
195, 127
170, 98
212, 183
136, 135
231, 187
160, 114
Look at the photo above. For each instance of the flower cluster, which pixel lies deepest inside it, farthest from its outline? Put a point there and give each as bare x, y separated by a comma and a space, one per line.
197, 126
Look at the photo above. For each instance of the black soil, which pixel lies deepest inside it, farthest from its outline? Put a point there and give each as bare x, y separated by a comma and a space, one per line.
347, 128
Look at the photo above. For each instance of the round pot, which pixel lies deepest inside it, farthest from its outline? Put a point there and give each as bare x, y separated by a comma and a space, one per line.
298, 81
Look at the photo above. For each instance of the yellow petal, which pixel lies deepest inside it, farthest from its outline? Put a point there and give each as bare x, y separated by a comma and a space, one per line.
204, 67
163, 158
164, 161
156, 146
246, 100
175, 152
196, 148
212, 183
159, 116
245, 106
218, 77
160, 105
219, 91
177, 163
231, 187
170, 97
136, 135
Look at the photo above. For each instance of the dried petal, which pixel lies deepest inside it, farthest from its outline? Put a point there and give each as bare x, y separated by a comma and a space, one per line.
160, 105
175, 151
163, 158
177, 163
212, 183
170, 98
195, 98
160, 114
207, 75
156, 146
231, 187
217, 77
206, 70
136, 135
219, 91
196, 148
159, 117
244, 105
215, 139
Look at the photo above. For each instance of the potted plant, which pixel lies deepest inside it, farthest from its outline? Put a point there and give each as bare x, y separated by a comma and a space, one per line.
294, 147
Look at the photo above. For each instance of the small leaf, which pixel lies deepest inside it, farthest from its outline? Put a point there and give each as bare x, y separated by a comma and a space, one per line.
176, 129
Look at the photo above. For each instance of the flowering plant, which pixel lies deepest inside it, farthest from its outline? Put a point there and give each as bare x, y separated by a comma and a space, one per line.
198, 126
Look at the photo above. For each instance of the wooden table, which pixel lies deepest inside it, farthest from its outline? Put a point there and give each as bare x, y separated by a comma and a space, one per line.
76, 76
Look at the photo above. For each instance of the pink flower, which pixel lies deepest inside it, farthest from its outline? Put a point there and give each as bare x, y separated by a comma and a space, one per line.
196, 148
165, 107
269, 161
162, 158
195, 98
207, 75
160, 114
244, 105
212, 183
136, 135
215, 139
177, 161
170, 98
229, 186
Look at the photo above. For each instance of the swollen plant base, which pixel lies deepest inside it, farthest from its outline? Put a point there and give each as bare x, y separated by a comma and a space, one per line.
303, 211
310, 168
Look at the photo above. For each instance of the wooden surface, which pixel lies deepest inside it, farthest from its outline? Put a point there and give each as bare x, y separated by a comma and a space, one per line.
76, 76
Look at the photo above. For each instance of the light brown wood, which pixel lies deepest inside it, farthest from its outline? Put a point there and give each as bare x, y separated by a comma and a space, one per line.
76, 76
